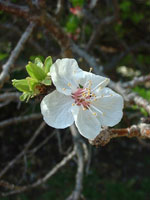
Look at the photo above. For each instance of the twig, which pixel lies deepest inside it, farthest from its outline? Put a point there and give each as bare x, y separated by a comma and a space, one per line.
35, 149
93, 4
31, 41
59, 8
12, 162
136, 81
14, 9
20, 119
140, 101
19, 189
15, 53
141, 131
97, 30
79, 176
9, 96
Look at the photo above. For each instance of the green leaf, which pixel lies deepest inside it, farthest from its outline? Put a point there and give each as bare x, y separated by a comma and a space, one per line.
47, 81
35, 71
3, 56
72, 23
77, 2
21, 85
25, 96
32, 83
47, 64
38, 62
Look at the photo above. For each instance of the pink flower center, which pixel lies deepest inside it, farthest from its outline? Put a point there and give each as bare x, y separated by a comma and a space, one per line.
81, 97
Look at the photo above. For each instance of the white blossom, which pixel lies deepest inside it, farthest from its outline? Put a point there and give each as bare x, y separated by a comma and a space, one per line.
82, 97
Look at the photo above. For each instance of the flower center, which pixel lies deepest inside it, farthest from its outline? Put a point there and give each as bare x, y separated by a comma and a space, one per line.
84, 96
81, 97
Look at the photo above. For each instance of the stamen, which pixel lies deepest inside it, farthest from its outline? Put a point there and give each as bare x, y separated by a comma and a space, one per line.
97, 109
91, 69
69, 84
83, 108
98, 97
102, 84
63, 89
73, 104
93, 113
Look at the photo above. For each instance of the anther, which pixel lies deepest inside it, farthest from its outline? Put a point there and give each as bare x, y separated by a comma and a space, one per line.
63, 89
73, 104
69, 84
91, 69
94, 113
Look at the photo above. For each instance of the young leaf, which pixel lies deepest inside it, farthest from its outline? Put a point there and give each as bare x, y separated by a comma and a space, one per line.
32, 83
38, 62
25, 96
47, 81
21, 85
47, 64
35, 72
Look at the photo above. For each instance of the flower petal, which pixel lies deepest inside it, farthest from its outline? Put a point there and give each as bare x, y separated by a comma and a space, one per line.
64, 74
56, 110
88, 125
95, 80
111, 104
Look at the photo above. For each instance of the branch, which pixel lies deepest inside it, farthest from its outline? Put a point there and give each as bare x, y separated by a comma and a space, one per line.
15, 53
20, 119
79, 176
11, 96
136, 81
141, 131
19, 189
14, 9
12, 162
35, 149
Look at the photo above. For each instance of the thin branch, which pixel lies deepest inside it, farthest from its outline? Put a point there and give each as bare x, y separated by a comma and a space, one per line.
79, 176
19, 189
12, 162
22, 11
140, 101
141, 131
15, 53
31, 41
11, 96
20, 119
93, 4
136, 81
97, 30
35, 149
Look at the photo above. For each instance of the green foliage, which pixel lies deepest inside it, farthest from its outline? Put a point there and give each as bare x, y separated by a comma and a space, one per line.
47, 64
35, 71
125, 6
143, 59
72, 23
38, 74
77, 2
137, 17
143, 93
3, 56
128, 13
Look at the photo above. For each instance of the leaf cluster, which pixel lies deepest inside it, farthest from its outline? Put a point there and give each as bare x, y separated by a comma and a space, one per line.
38, 76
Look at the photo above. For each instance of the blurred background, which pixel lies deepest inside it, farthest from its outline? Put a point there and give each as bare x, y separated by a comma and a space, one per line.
116, 34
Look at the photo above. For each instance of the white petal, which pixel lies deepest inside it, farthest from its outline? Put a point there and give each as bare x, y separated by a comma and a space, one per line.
95, 79
64, 74
111, 104
88, 125
56, 110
